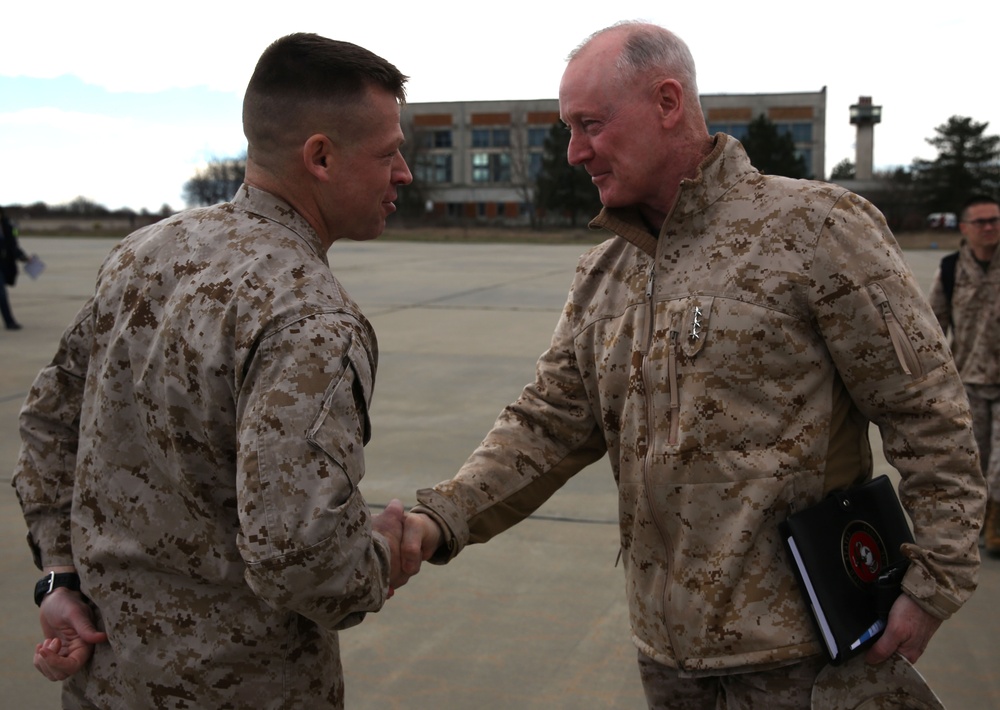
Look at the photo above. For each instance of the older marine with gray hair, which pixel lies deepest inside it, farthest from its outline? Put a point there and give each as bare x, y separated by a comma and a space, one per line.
727, 347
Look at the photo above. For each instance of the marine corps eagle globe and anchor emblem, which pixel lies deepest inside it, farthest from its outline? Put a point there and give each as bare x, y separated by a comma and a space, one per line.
863, 553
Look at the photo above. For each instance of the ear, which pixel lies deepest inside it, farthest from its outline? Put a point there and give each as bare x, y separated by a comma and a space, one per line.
670, 100
317, 156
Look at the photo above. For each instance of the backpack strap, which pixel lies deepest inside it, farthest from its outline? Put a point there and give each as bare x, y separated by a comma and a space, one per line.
948, 265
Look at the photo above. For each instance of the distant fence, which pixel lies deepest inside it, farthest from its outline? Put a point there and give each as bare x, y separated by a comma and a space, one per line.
83, 224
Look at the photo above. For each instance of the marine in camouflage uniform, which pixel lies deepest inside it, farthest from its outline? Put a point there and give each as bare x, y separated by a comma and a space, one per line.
195, 447
220, 379
729, 363
971, 316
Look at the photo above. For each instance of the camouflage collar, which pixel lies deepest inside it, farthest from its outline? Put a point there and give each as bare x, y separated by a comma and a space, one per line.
723, 168
275, 209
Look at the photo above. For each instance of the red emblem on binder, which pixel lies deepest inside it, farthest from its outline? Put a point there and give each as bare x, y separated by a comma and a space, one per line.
863, 552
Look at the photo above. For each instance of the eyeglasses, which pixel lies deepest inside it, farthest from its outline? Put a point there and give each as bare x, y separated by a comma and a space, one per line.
986, 222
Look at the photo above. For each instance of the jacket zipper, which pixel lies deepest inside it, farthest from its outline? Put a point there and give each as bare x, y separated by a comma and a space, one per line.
646, 374
651, 433
675, 399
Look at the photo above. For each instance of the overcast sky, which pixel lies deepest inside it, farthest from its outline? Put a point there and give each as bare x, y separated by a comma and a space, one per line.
120, 102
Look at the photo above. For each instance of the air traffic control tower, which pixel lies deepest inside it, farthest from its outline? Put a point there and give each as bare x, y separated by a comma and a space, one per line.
864, 116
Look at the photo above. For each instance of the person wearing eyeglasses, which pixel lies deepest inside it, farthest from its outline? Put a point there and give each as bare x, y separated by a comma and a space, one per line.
965, 297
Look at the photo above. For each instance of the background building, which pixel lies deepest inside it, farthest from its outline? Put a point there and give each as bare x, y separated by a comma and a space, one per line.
803, 115
478, 160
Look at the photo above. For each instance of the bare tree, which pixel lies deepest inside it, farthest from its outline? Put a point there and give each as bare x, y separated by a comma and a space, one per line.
217, 182
413, 198
521, 177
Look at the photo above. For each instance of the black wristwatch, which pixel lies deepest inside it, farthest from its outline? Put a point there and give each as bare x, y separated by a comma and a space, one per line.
70, 580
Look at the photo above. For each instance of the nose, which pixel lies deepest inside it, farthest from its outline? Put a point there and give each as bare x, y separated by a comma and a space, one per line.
401, 174
578, 151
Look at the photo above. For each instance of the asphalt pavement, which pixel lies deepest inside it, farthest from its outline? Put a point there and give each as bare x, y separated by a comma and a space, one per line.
536, 618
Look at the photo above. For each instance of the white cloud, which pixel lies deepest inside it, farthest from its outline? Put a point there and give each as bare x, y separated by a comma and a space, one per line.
115, 161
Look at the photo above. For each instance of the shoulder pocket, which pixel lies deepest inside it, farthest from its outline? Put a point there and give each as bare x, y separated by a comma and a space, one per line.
343, 426
905, 352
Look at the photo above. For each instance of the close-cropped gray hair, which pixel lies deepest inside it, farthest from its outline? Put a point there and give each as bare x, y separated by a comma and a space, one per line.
649, 47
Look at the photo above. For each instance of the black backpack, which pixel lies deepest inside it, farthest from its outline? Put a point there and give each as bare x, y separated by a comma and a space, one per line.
948, 265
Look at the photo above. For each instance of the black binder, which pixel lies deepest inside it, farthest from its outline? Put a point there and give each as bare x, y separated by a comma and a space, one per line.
846, 555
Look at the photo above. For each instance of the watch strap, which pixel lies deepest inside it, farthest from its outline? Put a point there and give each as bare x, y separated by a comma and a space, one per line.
69, 580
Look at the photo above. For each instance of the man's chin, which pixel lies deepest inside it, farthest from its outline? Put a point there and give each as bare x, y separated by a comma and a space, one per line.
609, 200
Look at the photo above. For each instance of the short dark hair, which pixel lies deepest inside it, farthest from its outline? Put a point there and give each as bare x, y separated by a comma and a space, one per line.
980, 199
302, 71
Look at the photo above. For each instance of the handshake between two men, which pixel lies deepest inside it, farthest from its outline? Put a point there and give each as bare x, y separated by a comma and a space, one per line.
412, 537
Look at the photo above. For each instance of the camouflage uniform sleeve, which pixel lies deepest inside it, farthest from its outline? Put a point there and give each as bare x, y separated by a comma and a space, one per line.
939, 303
536, 444
305, 529
49, 426
890, 351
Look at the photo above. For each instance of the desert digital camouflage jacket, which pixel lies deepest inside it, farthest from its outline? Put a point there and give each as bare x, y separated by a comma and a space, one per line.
730, 368
195, 449
972, 317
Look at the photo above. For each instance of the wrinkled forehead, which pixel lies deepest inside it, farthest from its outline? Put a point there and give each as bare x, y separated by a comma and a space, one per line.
588, 84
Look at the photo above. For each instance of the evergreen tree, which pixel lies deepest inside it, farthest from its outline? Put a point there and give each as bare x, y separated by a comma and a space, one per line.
968, 163
773, 151
563, 188
844, 170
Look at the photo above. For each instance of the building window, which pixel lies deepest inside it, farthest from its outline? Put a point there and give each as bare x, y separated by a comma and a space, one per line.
534, 166
801, 132
434, 139
736, 130
480, 138
432, 168
442, 139
490, 167
480, 167
537, 136
490, 137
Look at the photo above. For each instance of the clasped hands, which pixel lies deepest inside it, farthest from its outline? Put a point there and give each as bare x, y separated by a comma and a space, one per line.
412, 538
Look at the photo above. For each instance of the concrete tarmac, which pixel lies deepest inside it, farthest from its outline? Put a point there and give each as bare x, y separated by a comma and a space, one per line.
535, 619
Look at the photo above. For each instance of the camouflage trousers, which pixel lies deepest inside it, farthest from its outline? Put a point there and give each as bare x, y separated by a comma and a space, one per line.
985, 403
785, 688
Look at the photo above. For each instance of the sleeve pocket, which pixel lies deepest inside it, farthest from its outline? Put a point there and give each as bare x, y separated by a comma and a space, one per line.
343, 427
906, 354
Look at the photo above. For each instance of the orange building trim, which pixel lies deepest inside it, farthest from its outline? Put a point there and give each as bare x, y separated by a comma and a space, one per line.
544, 117
490, 119
790, 113
426, 120
717, 115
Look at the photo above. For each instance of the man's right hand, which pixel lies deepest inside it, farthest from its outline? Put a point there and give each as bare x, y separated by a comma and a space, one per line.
70, 635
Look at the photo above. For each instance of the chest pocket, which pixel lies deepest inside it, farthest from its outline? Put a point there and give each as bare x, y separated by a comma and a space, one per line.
694, 325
